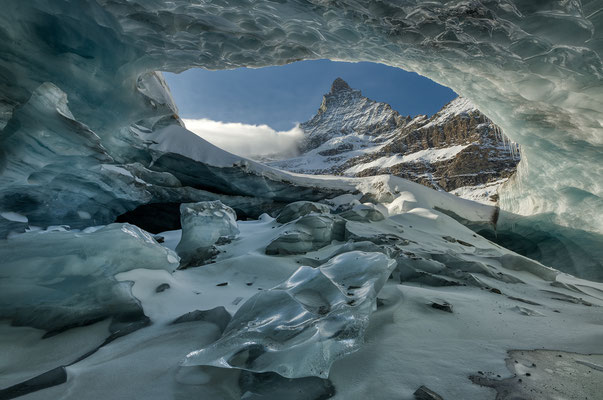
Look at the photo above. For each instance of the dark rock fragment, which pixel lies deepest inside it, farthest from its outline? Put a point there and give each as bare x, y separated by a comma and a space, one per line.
424, 393
442, 306
272, 386
217, 316
163, 287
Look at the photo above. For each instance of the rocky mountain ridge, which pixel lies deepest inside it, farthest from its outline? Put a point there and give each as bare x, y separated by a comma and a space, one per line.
458, 149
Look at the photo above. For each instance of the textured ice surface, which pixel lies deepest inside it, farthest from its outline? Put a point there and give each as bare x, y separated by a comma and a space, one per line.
203, 224
310, 232
297, 209
58, 279
57, 170
81, 106
574, 251
534, 68
299, 328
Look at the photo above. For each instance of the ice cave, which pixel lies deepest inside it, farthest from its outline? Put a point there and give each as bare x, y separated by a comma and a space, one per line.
139, 261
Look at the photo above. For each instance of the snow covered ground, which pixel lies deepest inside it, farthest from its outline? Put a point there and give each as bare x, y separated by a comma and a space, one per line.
455, 303
454, 306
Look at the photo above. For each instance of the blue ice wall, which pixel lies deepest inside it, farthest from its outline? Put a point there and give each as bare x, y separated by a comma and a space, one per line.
533, 67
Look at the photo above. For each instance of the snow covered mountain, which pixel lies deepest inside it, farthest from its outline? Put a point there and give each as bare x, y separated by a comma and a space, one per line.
457, 150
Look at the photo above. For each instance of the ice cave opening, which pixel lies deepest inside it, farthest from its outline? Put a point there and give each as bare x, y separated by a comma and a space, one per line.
138, 260
539, 237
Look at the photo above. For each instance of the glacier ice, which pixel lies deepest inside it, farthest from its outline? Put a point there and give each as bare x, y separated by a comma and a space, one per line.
57, 170
310, 232
298, 209
56, 279
407, 342
571, 250
89, 132
299, 328
534, 69
69, 138
203, 225
363, 212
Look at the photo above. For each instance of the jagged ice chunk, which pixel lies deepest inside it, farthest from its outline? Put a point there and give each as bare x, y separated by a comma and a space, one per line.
300, 327
53, 280
203, 224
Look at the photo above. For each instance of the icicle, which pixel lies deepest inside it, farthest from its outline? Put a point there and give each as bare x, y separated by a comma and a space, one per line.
509, 145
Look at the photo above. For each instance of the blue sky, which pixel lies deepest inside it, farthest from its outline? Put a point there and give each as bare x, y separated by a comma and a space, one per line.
282, 96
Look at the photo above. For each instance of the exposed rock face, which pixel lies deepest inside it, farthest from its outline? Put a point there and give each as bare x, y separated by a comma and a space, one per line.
458, 147
345, 111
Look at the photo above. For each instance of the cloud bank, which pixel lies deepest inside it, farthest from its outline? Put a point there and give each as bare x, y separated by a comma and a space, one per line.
252, 141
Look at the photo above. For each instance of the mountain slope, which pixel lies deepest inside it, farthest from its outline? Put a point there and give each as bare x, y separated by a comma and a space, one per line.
458, 149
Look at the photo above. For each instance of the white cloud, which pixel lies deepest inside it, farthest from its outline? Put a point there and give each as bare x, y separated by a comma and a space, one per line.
251, 141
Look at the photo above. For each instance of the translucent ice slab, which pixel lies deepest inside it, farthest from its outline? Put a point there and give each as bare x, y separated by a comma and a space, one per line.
300, 327
60, 279
204, 224
310, 232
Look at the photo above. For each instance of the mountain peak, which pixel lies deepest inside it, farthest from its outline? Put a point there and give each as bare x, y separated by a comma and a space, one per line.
339, 85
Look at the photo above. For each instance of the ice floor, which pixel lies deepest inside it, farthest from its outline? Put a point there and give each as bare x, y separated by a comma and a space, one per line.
452, 308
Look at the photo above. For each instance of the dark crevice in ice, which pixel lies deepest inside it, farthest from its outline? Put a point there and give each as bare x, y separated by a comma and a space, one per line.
154, 217
48, 379
217, 316
569, 250
119, 327
270, 385
165, 216
161, 217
